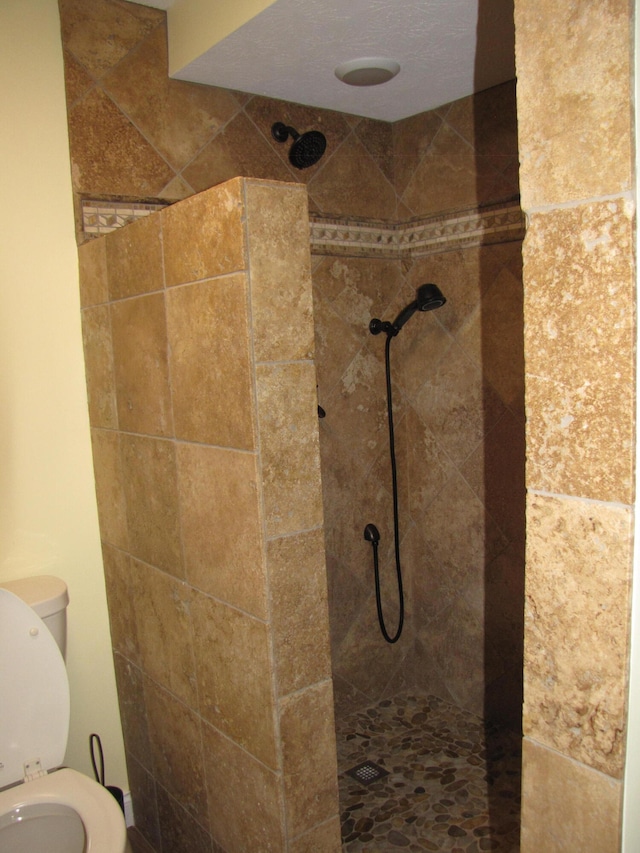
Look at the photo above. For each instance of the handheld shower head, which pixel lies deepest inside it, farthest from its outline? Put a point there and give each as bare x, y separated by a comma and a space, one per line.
307, 148
428, 297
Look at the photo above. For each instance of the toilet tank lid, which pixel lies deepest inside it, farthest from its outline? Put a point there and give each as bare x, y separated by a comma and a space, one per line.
46, 594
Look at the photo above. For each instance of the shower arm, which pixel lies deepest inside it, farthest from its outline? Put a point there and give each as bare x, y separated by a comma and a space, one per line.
281, 132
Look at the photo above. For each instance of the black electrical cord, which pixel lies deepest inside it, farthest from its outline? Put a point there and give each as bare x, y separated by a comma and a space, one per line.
95, 742
396, 526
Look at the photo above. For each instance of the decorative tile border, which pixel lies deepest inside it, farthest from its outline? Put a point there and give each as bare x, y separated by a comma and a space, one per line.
101, 217
415, 238
475, 227
468, 228
353, 237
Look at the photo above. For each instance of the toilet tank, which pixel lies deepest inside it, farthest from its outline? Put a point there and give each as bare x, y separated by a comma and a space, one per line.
49, 597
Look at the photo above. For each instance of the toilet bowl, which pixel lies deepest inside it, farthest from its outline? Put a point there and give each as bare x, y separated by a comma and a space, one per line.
44, 806
62, 812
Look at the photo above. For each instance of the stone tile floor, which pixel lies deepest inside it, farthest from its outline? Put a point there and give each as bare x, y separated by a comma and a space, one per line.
453, 783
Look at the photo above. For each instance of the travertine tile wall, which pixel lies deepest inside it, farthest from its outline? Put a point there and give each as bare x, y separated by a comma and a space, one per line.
464, 436
459, 155
575, 124
203, 411
459, 424
136, 134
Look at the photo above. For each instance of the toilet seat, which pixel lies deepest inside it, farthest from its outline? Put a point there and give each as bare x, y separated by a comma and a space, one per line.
34, 712
94, 805
34, 726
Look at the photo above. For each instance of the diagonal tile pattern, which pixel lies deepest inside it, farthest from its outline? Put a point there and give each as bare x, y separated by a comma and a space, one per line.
459, 445
137, 134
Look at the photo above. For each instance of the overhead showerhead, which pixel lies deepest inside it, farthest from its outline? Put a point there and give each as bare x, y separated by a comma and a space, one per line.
307, 148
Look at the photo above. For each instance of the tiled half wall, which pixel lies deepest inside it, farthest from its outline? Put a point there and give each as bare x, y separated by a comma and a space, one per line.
198, 334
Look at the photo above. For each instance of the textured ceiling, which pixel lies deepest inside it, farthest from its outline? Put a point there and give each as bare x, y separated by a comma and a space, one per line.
447, 49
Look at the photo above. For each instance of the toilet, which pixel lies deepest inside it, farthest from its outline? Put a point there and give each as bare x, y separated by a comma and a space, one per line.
44, 806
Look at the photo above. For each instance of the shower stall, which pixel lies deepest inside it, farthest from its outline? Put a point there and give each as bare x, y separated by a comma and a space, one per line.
453, 675
458, 410
240, 587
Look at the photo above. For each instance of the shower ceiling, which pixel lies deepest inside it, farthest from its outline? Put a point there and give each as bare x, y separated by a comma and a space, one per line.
447, 49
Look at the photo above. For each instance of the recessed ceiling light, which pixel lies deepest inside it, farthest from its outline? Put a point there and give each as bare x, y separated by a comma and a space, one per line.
367, 71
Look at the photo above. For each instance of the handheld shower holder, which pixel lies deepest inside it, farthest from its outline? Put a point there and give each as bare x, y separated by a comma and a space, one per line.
377, 326
371, 534
428, 298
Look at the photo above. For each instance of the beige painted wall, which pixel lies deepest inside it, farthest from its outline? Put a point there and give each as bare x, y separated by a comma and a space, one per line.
48, 520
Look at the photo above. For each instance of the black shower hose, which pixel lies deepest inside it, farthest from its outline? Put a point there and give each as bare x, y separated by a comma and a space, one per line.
396, 526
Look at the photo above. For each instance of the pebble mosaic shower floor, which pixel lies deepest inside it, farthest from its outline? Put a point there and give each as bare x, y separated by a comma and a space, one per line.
453, 783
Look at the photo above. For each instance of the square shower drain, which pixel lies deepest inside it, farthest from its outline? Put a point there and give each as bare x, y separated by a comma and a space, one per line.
367, 772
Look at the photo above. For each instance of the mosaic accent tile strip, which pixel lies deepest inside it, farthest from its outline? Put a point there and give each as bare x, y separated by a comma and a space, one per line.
350, 237
469, 228
475, 227
102, 217
453, 783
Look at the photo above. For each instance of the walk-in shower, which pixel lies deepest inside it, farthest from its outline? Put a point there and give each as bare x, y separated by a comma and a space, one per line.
428, 297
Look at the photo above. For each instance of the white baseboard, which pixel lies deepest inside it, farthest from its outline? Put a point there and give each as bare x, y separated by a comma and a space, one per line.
128, 809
